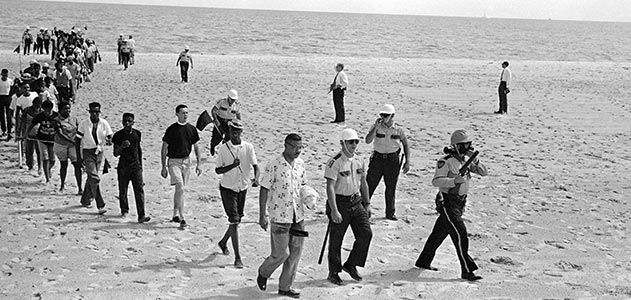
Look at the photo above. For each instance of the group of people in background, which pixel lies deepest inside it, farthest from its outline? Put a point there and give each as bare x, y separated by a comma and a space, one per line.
126, 48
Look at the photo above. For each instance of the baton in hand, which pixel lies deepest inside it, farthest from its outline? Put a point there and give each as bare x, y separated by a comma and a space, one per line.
326, 237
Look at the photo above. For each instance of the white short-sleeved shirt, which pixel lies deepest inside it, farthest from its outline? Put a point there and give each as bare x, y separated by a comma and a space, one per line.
283, 181
347, 173
388, 139
24, 101
84, 132
446, 170
239, 178
5, 86
227, 111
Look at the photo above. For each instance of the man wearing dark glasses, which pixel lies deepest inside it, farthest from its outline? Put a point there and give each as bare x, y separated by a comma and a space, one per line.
384, 161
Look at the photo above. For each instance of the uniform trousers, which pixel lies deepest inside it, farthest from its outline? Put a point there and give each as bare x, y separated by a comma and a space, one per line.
184, 71
353, 214
501, 90
338, 104
387, 166
125, 175
219, 134
450, 223
286, 251
92, 163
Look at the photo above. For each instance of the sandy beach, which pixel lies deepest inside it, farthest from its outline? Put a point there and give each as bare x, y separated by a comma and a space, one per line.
550, 221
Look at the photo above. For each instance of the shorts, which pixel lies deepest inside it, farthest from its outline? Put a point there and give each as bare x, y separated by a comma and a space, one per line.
179, 170
65, 152
46, 151
233, 203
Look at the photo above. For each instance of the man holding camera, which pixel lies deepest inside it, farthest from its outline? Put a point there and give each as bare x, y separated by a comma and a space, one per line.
384, 161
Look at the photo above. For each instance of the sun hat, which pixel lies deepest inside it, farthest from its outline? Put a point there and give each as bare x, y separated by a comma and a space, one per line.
236, 124
232, 94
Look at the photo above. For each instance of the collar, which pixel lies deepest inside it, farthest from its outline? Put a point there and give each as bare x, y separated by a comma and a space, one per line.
183, 124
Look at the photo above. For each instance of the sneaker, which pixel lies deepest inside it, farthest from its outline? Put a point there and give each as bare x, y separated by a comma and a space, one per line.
470, 276
238, 264
183, 224
351, 270
175, 219
144, 219
334, 278
261, 282
291, 293
102, 211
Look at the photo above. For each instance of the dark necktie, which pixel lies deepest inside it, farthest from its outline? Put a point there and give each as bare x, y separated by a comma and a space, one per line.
502, 75
94, 136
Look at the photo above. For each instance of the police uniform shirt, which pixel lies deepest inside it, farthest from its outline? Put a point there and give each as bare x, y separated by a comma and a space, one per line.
387, 139
347, 173
227, 111
185, 56
448, 167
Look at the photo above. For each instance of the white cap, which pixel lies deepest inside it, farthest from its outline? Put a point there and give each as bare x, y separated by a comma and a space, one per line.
232, 94
46, 65
308, 196
186, 47
348, 134
387, 109
33, 61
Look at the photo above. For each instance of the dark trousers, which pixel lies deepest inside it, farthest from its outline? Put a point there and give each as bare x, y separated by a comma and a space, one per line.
501, 90
39, 45
27, 46
217, 136
30, 146
125, 175
125, 58
450, 223
338, 104
90, 63
388, 167
65, 93
47, 45
184, 71
6, 114
353, 214
92, 162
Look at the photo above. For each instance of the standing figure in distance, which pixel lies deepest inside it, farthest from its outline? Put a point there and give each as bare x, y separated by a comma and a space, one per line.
339, 85
184, 61
503, 89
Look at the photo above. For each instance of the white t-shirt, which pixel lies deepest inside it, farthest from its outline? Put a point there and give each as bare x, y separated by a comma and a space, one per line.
23, 101
5, 86
239, 178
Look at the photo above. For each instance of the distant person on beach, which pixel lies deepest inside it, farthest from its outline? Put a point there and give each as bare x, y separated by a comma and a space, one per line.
225, 110
46, 38
63, 82
280, 205
339, 85
127, 145
6, 114
385, 162
119, 42
453, 186
75, 72
46, 136
93, 135
177, 142
27, 39
132, 49
235, 161
126, 53
64, 146
348, 205
503, 89
184, 61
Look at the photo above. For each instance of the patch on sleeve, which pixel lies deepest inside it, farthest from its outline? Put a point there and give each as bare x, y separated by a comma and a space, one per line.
440, 164
330, 163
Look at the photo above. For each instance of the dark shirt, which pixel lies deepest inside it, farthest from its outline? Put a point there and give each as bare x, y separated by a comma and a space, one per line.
130, 157
180, 139
47, 126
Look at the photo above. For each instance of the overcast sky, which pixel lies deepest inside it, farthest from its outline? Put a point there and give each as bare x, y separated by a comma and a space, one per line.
593, 10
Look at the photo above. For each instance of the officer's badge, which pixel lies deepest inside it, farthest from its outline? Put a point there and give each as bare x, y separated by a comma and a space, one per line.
440, 164
345, 173
360, 170
330, 163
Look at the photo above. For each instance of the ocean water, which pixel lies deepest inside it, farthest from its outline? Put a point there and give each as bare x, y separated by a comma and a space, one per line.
161, 29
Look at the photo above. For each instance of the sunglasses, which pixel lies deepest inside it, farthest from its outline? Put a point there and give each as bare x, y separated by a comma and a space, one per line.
384, 115
353, 141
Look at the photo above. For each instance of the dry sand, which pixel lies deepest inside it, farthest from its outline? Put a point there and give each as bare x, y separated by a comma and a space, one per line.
550, 221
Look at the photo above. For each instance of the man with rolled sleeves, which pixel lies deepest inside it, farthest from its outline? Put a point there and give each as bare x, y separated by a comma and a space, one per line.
339, 85
384, 161
226, 110
450, 202
348, 204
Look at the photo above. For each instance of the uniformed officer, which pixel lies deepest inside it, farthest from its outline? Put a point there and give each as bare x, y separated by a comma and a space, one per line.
345, 175
225, 110
450, 203
384, 161
184, 61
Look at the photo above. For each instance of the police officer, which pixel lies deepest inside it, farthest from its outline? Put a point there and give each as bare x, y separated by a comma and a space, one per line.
224, 111
384, 161
348, 204
450, 202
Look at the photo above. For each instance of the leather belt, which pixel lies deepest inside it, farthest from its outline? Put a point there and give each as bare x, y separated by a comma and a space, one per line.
392, 155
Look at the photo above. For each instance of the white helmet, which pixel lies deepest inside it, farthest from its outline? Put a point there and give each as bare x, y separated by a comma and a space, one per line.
348, 134
232, 94
459, 136
387, 109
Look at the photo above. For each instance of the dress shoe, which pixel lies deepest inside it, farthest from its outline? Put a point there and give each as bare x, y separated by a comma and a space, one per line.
144, 219
392, 218
176, 219
334, 278
497, 112
470, 276
238, 264
183, 224
291, 293
224, 248
102, 211
426, 267
351, 270
261, 282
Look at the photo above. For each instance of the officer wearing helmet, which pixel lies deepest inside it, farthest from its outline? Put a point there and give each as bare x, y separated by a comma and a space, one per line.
225, 110
450, 203
384, 161
348, 204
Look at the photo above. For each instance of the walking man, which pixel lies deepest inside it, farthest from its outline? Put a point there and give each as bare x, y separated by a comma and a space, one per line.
92, 136
339, 85
184, 61
279, 203
348, 204
64, 146
177, 142
63, 82
235, 161
226, 110
127, 145
6, 114
450, 202
384, 161
503, 89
